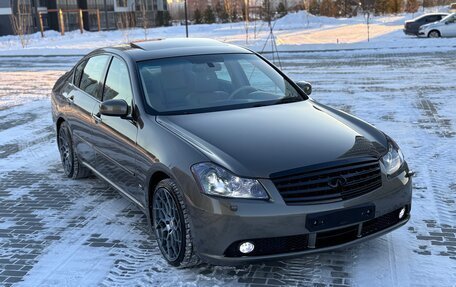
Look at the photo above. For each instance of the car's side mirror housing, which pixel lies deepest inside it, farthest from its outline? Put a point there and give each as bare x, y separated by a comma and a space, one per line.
305, 86
115, 108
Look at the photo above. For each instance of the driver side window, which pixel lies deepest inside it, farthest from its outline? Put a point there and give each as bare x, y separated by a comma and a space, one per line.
257, 78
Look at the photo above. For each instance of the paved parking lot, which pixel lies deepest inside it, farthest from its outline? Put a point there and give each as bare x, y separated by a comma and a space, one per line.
55, 231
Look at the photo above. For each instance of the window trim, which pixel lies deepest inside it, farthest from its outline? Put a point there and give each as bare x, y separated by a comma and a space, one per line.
82, 63
106, 77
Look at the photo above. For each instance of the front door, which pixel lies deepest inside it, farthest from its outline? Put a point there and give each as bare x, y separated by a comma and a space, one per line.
115, 137
449, 29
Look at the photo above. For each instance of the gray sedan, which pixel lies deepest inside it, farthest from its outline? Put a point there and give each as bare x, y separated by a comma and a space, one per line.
231, 161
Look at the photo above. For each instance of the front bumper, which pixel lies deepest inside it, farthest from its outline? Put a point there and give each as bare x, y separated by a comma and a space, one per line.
422, 34
410, 32
219, 224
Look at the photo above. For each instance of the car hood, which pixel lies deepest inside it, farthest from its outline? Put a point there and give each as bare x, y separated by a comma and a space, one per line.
257, 142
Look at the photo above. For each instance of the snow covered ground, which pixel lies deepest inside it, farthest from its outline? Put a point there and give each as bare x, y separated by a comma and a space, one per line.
295, 32
56, 231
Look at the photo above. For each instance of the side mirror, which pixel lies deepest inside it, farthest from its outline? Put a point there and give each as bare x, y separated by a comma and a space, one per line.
305, 86
115, 108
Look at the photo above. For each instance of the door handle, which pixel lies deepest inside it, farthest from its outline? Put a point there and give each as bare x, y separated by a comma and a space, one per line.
96, 118
70, 100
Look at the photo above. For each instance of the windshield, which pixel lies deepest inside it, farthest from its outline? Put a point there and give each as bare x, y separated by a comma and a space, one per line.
212, 82
449, 18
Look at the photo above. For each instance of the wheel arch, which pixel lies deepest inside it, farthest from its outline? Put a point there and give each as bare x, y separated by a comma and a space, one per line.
435, 30
58, 123
156, 174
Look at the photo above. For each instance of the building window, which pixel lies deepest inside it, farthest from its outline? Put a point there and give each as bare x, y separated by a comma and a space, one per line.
122, 3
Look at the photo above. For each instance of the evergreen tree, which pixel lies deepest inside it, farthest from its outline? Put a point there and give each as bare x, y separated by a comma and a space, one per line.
218, 9
314, 7
209, 16
222, 15
234, 15
412, 6
281, 10
380, 7
266, 10
166, 18
197, 17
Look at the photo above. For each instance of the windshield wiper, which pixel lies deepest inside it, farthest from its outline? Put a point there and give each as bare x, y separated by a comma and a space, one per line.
285, 100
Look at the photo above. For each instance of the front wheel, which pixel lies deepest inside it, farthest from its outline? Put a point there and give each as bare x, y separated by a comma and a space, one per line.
171, 223
434, 34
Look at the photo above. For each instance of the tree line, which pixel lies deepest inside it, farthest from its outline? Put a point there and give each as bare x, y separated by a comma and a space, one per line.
223, 13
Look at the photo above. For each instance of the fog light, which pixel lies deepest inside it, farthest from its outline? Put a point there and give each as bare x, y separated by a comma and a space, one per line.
402, 213
246, 247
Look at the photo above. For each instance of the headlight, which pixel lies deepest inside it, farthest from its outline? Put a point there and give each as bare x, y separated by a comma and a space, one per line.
393, 159
215, 180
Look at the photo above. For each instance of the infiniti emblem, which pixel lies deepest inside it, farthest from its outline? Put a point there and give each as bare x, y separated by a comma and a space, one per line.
336, 182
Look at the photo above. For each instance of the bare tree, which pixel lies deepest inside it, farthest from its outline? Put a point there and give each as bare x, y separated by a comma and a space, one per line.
21, 21
125, 22
145, 21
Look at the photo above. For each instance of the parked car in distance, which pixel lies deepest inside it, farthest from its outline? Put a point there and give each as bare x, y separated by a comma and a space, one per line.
231, 161
444, 28
411, 27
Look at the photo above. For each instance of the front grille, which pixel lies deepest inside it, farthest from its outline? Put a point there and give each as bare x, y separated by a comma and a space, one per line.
268, 246
348, 179
377, 224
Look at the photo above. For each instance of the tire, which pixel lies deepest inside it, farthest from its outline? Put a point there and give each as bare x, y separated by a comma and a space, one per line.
72, 166
171, 225
434, 34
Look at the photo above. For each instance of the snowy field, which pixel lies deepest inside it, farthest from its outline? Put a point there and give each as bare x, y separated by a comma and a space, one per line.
59, 232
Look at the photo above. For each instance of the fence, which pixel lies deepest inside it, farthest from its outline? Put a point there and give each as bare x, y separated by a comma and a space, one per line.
61, 18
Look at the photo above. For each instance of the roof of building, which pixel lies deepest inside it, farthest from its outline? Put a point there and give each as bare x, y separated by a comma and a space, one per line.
176, 47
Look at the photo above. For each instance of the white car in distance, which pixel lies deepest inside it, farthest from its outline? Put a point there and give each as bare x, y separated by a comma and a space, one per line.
444, 28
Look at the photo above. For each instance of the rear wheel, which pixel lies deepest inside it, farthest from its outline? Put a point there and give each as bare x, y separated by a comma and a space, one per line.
434, 34
72, 167
171, 224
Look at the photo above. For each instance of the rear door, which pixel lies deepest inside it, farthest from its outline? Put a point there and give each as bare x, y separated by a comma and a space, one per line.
115, 137
82, 99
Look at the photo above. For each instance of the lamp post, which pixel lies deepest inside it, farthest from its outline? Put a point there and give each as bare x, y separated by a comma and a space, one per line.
186, 18
367, 17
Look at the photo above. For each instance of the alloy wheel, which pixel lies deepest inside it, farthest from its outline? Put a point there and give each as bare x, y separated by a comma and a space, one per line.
167, 223
434, 34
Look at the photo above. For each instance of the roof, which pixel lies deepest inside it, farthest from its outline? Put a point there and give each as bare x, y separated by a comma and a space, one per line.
434, 13
176, 47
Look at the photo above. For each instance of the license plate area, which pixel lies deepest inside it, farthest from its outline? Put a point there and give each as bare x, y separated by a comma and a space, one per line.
332, 219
